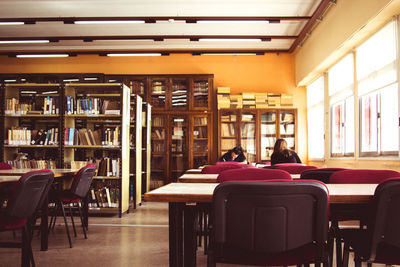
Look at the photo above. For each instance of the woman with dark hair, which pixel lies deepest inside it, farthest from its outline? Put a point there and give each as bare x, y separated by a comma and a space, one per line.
235, 154
282, 154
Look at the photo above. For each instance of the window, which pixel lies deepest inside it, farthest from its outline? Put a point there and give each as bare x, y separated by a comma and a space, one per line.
341, 102
315, 119
378, 93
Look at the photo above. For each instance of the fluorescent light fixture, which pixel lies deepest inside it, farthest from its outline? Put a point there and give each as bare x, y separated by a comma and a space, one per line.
10, 81
25, 42
90, 79
112, 81
179, 120
71, 80
50, 92
229, 54
232, 21
42, 55
11, 23
23, 80
229, 40
108, 21
134, 54
28, 92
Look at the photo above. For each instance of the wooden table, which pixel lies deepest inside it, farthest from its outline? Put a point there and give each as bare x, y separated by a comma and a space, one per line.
208, 178
13, 175
191, 171
182, 196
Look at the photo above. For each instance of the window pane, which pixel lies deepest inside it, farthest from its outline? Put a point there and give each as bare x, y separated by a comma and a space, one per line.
337, 133
349, 126
369, 123
316, 146
315, 92
341, 77
389, 119
376, 60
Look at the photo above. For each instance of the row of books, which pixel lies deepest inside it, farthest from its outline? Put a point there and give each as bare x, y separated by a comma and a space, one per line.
88, 137
200, 132
108, 167
252, 100
200, 121
228, 130
50, 106
105, 197
31, 163
157, 122
24, 136
91, 106
158, 134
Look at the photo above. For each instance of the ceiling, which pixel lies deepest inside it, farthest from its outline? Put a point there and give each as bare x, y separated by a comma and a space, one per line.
167, 26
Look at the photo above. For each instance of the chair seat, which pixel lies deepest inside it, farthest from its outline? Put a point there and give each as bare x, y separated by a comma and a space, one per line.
302, 255
360, 241
8, 225
64, 196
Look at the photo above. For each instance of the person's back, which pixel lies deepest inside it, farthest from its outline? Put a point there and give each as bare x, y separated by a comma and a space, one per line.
282, 154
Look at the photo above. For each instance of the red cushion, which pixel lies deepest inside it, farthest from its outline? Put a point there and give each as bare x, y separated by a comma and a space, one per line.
362, 176
216, 169
252, 174
5, 166
228, 163
293, 168
15, 224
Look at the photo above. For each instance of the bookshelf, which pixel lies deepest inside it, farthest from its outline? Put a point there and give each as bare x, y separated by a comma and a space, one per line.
200, 143
258, 130
146, 143
96, 129
31, 125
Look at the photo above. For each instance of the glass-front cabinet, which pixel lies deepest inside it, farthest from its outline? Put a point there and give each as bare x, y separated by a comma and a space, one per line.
158, 151
179, 93
248, 135
178, 146
259, 129
158, 92
201, 92
200, 142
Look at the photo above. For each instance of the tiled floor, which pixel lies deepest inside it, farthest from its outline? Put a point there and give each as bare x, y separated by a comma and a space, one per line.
137, 239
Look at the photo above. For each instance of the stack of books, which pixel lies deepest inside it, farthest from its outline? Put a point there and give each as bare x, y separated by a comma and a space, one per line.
236, 101
223, 98
249, 100
274, 100
286, 100
261, 100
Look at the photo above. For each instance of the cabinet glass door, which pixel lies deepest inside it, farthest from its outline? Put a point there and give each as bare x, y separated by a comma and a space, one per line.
179, 98
268, 134
200, 93
228, 121
200, 141
178, 149
248, 135
158, 151
158, 93
138, 86
286, 128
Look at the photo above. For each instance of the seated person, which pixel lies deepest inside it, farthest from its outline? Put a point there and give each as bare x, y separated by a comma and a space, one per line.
235, 154
282, 154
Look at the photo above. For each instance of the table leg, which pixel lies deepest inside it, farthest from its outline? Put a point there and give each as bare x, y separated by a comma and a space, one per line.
44, 230
176, 234
190, 241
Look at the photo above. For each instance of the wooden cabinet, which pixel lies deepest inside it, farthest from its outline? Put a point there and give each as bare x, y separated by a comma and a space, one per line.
200, 140
256, 130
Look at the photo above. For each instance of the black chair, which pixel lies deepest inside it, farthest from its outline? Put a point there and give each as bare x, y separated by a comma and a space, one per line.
21, 205
380, 241
269, 223
78, 191
322, 174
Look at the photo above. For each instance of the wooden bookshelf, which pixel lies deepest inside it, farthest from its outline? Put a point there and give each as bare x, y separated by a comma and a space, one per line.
256, 130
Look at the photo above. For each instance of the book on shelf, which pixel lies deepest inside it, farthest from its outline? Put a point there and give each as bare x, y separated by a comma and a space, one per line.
274, 100
24, 136
108, 167
236, 101
89, 137
223, 90
32, 164
286, 100
111, 107
104, 196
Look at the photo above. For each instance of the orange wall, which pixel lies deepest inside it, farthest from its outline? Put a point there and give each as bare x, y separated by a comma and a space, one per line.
268, 73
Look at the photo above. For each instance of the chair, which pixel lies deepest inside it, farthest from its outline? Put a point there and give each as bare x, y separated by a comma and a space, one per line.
22, 203
274, 223
216, 169
380, 242
78, 191
228, 163
293, 168
252, 174
355, 211
322, 174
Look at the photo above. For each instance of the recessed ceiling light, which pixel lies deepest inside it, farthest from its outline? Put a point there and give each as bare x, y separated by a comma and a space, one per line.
6, 23
25, 42
42, 55
133, 54
108, 21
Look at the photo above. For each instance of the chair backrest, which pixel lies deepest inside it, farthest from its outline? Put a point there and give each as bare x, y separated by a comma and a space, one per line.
27, 193
5, 166
362, 176
228, 163
252, 174
322, 174
265, 218
293, 168
82, 180
216, 169
386, 220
